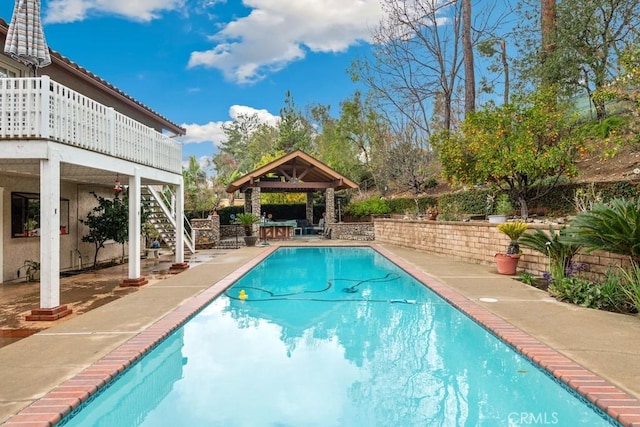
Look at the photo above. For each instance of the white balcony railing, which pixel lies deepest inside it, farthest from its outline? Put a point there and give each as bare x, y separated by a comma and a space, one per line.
40, 108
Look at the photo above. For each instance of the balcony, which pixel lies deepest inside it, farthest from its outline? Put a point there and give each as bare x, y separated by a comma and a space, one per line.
39, 108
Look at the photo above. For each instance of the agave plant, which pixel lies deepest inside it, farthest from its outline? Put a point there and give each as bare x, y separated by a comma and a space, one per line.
556, 245
612, 227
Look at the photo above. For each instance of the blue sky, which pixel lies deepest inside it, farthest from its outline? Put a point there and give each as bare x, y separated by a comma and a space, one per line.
202, 62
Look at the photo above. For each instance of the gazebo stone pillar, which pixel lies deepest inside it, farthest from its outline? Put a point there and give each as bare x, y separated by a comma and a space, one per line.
255, 201
247, 200
330, 205
309, 213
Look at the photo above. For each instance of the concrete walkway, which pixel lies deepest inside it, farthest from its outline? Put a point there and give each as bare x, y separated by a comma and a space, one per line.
606, 343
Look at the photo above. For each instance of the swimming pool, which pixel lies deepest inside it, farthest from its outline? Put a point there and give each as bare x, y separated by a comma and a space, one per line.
333, 336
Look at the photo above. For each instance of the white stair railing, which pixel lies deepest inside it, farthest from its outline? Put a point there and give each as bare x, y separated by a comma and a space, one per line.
163, 217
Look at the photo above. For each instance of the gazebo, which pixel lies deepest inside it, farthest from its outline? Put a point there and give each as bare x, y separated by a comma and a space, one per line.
296, 172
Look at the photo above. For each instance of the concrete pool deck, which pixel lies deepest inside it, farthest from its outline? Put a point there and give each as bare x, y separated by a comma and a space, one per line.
47, 374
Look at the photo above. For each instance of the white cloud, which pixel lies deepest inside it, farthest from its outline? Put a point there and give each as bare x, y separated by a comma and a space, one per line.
213, 131
62, 11
208, 132
277, 32
264, 116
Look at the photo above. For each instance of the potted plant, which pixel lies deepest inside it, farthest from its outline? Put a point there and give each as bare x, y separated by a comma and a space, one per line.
507, 263
432, 213
503, 208
247, 220
31, 270
30, 227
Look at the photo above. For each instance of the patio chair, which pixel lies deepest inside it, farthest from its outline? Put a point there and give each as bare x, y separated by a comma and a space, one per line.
306, 227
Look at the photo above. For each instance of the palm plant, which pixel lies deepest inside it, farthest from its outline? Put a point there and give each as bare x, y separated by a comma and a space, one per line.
613, 227
514, 231
557, 246
247, 220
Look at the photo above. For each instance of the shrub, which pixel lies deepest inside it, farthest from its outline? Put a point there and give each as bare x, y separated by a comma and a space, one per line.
610, 294
372, 206
503, 205
527, 278
585, 198
401, 205
469, 202
631, 284
574, 290
614, 289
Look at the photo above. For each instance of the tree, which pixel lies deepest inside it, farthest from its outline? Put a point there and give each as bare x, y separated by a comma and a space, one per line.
295, 132
548, 31
238, 136
487, 48
351, 143
109, 220
513, 147
581, 55
467, 49
409, 159
625, 91
418, 56
199, 195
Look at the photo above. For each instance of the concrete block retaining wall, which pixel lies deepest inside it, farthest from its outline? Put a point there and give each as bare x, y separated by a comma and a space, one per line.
476, 242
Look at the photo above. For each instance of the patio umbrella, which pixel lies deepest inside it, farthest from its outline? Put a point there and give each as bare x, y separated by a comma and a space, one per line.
25, 37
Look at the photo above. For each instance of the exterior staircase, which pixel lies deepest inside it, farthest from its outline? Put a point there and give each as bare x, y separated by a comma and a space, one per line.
163, 217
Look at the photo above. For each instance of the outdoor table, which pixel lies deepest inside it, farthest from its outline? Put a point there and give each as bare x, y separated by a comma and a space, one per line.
277, 230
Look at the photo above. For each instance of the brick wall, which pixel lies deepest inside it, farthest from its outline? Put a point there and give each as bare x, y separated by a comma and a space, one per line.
475, 242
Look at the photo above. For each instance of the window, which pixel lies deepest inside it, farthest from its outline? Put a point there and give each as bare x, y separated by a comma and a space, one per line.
25, 215
5, 72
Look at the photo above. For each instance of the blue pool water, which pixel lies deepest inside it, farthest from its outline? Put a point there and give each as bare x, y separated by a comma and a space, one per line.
333, 337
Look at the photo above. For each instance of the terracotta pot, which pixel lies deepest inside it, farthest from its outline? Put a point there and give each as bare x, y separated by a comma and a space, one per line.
507, 264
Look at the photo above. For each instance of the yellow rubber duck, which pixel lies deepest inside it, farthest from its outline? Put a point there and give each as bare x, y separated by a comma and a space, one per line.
243, 295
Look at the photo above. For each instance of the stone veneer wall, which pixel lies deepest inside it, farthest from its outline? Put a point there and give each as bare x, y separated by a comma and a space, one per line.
231, 231
476, 242
362, 231
207, 231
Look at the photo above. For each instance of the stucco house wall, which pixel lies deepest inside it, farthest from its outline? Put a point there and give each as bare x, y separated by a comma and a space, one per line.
73, 250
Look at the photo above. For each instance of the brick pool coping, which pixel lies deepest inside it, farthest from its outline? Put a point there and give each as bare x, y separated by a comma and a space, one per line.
72, 393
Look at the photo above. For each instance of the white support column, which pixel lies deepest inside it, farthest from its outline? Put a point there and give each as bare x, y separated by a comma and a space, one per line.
134, 225
50, 231
179, 259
